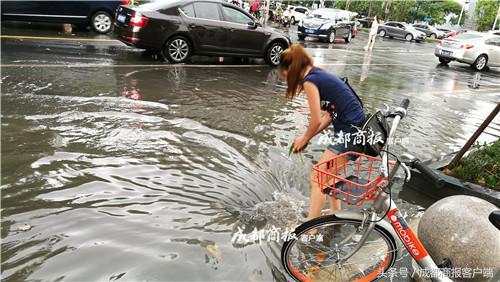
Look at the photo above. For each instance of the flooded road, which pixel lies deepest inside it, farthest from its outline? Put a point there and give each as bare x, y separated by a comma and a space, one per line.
127, 168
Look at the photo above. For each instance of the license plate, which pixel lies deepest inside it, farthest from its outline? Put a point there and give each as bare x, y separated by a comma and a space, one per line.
446, 53
121, 18
310, 30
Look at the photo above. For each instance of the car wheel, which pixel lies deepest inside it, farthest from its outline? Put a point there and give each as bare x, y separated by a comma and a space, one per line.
292, 20
102, 22
302, 37
273, 54
382, 33
348, 38
433, 36
409, 37
331, 37
480, 63
177, 50
444, 61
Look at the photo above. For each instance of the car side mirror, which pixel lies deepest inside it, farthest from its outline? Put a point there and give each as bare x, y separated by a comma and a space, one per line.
252, 25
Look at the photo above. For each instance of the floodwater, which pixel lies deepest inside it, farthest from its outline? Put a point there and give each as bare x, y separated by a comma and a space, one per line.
148, 173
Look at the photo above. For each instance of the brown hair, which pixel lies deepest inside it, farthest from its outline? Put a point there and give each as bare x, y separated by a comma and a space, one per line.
295, 61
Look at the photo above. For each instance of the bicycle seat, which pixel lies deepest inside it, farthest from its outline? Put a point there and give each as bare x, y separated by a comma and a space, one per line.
495, 218
344, 186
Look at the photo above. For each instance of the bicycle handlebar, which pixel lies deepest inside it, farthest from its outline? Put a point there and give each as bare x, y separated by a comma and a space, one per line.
405, 103
398, 114
427, 171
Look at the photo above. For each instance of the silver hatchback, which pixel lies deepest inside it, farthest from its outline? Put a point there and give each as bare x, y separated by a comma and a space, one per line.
476, 49
400, 30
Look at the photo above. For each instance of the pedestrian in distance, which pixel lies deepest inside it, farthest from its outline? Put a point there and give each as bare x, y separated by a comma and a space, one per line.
328, 93
286, 17
254, 9
278, 12
373, 34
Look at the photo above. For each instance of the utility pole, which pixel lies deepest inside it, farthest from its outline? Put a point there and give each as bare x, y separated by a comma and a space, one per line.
370, 8
461, 13
496, 19
387, 9
347, 3
266, 14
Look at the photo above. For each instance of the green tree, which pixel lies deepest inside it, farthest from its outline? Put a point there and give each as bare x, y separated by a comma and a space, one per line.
436, 10
486, 11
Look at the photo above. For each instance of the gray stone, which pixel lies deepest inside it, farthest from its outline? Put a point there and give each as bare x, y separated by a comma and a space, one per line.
458, 228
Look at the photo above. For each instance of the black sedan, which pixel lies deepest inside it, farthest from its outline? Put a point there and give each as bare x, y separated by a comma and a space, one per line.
327, 25
97, 14
180, 29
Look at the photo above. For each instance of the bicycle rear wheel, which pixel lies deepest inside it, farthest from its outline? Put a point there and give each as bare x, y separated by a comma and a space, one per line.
320, 243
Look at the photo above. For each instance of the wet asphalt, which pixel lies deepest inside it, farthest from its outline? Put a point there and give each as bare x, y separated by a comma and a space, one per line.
144, 170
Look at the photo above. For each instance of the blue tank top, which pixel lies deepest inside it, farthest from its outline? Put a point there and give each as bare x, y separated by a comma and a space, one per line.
337, 99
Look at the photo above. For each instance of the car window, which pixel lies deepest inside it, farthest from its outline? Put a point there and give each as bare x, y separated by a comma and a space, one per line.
467, 36
235, 16
324, 14
390, 24
300, 10
155, 6
205, 10
188, 10
493, 41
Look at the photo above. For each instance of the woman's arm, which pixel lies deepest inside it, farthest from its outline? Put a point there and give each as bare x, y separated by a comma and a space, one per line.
313, 99
326, 120
315, 122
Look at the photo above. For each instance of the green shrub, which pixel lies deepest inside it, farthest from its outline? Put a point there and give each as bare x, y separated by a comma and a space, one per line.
481, 166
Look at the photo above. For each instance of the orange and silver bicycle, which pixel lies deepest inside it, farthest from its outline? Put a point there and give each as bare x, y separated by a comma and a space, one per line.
358, 246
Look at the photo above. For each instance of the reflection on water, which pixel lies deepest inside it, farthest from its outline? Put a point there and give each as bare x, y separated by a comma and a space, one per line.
147, 174
365, 69
475, 82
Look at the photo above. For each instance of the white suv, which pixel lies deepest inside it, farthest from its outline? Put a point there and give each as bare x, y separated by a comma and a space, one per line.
298, 13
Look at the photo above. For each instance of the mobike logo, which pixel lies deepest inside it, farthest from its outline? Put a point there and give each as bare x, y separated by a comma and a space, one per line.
406, 238
409, 239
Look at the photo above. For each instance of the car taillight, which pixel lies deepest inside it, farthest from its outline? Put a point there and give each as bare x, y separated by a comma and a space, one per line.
124, 2
466, 46
440, 42
139, 21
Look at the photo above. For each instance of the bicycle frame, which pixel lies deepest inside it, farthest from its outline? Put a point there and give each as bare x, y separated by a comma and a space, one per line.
384, 204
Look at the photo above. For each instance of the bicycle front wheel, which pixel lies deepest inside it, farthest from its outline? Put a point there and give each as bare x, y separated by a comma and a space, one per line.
316, 252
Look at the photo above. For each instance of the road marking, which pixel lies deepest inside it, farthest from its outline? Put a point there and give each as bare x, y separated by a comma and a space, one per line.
58, 38
166, 66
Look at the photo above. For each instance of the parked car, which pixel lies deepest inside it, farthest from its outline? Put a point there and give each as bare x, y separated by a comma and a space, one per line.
476, 49
180, 29
447, 32
430, 31
365, 22
354, 29
97, 14
400, 30
495, 32
299, 13
327, 25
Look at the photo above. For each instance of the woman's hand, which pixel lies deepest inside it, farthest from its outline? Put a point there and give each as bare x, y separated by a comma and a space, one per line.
300, 144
